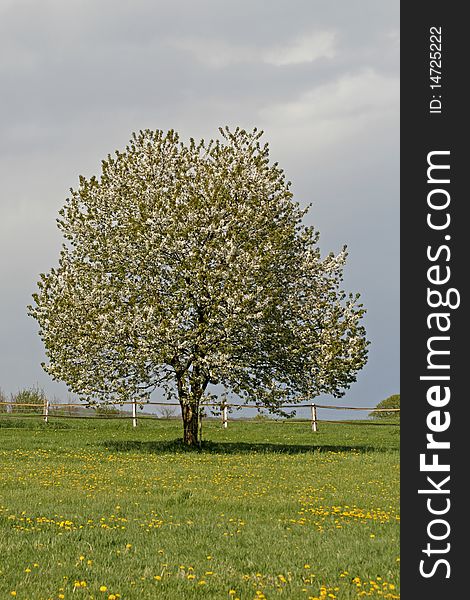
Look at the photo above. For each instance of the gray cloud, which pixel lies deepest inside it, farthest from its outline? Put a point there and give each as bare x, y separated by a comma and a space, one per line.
321, 78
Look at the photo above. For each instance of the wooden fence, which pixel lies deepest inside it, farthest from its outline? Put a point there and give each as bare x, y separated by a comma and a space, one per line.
48, 408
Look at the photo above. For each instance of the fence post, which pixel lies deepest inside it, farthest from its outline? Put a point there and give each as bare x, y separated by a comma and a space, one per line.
314, 417
46, 410
224, 416
134, 413
201, 414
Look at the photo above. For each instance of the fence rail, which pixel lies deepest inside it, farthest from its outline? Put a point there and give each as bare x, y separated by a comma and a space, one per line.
48, 410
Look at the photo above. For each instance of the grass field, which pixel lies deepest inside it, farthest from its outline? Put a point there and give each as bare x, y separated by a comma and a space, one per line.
96, 510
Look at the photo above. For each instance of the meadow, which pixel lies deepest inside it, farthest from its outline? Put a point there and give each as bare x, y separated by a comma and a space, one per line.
96, 510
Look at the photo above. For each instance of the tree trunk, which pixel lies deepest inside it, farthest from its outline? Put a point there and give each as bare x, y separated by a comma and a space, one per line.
190, 424
191, 387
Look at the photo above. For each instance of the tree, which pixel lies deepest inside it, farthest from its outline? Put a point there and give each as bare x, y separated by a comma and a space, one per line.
28, 400
188, 265
107, 411
4, 405
392, 402
167, 412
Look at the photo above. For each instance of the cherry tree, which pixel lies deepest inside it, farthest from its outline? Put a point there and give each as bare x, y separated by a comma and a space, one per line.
189, 265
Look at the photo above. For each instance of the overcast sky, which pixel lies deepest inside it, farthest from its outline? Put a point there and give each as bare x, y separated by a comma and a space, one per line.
321, 78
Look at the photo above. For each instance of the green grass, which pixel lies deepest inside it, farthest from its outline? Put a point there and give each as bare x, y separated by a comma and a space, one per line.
263, 510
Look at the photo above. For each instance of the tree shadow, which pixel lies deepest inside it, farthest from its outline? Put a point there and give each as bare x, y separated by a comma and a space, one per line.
208, 447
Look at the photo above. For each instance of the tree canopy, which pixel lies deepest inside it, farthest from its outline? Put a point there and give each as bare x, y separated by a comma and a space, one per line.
392, 402
186, 265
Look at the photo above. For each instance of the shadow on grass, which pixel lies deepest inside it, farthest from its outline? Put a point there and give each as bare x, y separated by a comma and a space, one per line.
207, 447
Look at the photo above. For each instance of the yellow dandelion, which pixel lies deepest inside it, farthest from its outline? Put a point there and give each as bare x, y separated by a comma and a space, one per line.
158, 577
103, 588
13, 593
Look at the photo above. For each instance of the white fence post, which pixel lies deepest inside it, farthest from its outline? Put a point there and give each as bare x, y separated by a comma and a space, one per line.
224, 416
46, 410
314, 417
134, 413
